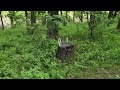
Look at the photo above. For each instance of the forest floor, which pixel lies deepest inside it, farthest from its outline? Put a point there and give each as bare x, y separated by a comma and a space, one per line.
23, 56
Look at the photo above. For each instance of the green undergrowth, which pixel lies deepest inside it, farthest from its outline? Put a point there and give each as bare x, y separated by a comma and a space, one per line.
24, 56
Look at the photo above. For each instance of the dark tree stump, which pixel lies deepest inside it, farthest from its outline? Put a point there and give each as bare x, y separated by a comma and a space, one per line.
65, 51
52, 33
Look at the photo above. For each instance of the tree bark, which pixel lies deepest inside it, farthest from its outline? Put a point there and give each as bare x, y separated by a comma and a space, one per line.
87, 15
91, 24
66, 14
111, 14
33, 17
81, 17
1, 20
27, 23
115, 14
33, 22
51, 13
65, 51
118, 25
73, 16
26, 15
61, 13
12, 17
52, 32
39, 12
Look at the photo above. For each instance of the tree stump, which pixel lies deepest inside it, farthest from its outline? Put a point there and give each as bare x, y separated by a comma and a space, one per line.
65, 51
52, 33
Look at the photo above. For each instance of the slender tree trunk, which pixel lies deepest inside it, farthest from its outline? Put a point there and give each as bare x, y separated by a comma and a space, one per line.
111, 14
81, 17
66, 14
39, 12
26, 15
11, 17
73, 16
33, 22
115, 14
87, 15
52, 32
33, 17
91, 24
1, 20
51, 13
43, 19
61, 13
118, 25
27, 23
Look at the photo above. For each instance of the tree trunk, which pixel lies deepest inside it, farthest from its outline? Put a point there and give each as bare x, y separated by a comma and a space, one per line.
111, 14
52, 32
1, 20
39, 12
66, 14
87, 15
51, 13
61, 13
65, 51
73, 16
118, 25
44, 21
33, 21
26, 15
91, 24
115, 14
11, 17
81, 17
33, 17
27, 23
